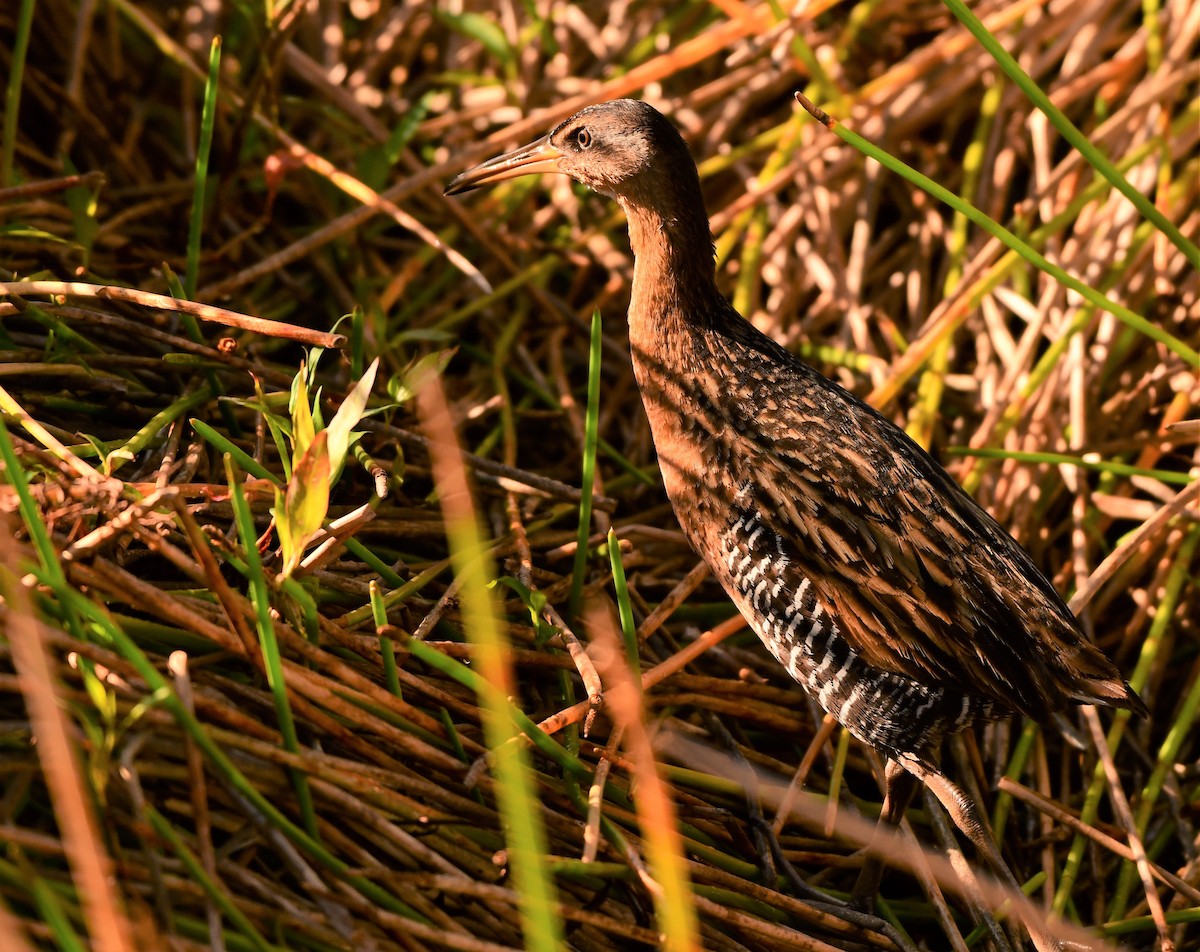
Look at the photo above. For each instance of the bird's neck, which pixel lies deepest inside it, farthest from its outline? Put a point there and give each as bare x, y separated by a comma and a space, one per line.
676, 317
674, 285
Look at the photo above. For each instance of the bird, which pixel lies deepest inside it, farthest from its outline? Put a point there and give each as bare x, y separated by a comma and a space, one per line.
893, 599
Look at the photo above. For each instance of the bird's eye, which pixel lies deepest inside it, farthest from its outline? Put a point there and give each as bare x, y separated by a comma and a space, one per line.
583, 139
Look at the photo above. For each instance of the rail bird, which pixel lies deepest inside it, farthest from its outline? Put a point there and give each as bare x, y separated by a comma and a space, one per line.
894, 600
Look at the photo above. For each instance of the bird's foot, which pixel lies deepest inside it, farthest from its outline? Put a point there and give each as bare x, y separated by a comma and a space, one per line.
848, 912
866, 887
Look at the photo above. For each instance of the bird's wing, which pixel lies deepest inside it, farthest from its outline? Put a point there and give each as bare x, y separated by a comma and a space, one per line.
921, 581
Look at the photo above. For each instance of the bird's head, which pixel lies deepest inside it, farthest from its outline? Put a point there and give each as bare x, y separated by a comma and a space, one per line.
620, 148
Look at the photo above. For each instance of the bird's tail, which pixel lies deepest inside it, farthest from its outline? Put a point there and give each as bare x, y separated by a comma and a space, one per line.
1090, 678
1109, 692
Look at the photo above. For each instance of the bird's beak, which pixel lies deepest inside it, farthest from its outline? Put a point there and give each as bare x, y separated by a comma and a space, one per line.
533, 159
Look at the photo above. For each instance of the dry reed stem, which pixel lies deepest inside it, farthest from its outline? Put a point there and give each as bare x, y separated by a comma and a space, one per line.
206, 312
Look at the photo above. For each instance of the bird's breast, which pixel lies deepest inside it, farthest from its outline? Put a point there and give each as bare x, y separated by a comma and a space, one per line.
697, 442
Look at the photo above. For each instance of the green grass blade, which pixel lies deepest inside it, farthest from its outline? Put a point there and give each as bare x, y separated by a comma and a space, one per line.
374, 563
590, 434
224, 445
260, 595
39, 534
12, 98
204, 148
469, 678
403, 590
516, 789
1059, 459
624, 606
150, 431
213, 890
55, 916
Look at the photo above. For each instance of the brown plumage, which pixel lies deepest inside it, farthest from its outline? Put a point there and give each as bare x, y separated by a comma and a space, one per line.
884, 589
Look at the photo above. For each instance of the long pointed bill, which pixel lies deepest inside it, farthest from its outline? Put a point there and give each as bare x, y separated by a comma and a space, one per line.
533, 159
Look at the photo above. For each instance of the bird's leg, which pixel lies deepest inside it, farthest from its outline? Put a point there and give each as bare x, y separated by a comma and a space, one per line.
766, 842
972, 891
864, 919
965, 816
899, 786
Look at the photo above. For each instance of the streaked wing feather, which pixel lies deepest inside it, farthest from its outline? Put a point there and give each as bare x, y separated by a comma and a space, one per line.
951, 597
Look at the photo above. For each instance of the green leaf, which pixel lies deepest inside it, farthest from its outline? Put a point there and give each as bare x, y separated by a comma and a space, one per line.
304, 507
340, 429
303, 428
591, 431
283, 526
